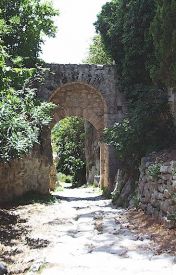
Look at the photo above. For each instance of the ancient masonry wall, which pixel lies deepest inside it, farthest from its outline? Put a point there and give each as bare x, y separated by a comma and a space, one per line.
23, 175
33, 172
157, 189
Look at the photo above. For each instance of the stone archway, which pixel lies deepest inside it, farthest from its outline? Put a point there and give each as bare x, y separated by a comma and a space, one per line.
82, 100
91, 92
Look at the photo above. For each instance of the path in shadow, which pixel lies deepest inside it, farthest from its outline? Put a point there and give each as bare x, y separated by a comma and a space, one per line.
65, 198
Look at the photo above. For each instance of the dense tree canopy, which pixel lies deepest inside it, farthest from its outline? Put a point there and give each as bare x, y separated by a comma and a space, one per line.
136, 34
163, 30
124, 27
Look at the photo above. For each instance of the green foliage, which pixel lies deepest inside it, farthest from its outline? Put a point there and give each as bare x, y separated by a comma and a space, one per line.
68, 140
22, 116
97, 53
163, 30
147, 128
63, 178
124, 26
23, 27
132, 37
154, 170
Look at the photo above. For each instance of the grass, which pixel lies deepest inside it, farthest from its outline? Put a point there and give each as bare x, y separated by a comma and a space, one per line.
64, 178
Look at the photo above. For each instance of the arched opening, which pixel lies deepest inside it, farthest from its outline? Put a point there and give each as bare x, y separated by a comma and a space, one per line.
83, 101
76, 152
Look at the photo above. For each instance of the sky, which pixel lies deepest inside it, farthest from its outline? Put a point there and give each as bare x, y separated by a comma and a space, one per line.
75, 31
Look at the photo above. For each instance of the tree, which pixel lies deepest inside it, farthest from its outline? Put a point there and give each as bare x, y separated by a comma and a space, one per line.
97, 53
124, 27
163, 30
68, 138
26, 23
22, 115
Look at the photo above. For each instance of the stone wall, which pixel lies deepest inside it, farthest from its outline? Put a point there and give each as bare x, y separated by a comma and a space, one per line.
90, 92
33, 172
23, 175
157, 187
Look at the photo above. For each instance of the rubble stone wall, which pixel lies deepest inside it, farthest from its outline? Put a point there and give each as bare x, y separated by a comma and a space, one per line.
157, 189
20, 176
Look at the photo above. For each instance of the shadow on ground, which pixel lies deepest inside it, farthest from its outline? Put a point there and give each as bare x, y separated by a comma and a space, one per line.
65, 198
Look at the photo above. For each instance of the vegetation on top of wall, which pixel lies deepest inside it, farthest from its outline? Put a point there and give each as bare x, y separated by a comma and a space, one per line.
97, 53
129, 31
68, 140
22, 115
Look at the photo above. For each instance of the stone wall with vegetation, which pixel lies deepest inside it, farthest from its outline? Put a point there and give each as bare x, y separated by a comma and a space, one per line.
157, 186
23, 175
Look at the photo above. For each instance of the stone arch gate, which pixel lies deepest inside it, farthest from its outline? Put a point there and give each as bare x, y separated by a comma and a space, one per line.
90, 92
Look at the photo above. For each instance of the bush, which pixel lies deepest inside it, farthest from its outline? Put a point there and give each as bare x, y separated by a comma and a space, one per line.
154, 170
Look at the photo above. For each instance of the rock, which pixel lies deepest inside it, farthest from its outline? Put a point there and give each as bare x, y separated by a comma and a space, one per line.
3, 269
165, 206
144, 237
161, 188
37, 265
150, 209
166, 177
174, 185
170, 224
167, 195
165, 169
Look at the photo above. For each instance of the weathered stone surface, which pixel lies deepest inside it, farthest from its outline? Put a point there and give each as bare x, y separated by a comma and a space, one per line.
21, 176
157, 196
90, 92
3, 269
165, 169
174, 186
167, 195
87, 91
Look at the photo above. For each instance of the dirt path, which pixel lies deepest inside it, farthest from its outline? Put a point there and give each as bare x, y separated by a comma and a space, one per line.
83, 234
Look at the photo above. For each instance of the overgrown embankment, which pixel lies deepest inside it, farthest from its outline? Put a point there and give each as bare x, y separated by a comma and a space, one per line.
140, 38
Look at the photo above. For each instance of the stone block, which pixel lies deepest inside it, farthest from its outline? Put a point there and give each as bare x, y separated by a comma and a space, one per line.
167, 194
161, 188
170, 224
150, 209
165, 169
166, 177
165, 205
174, 186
